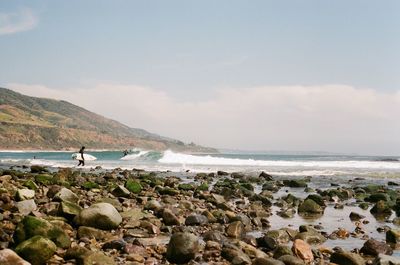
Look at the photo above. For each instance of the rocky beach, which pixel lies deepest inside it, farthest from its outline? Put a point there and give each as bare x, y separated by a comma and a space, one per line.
96, 216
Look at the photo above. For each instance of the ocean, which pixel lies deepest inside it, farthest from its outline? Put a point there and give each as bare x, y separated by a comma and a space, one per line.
274, 164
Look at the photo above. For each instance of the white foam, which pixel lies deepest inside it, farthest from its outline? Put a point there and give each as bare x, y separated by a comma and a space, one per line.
170, 157
134, 156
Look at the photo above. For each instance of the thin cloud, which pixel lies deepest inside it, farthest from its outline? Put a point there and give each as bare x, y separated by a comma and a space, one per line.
333, 118
22, 20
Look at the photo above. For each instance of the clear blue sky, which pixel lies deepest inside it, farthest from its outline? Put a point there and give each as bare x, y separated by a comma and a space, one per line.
194, 66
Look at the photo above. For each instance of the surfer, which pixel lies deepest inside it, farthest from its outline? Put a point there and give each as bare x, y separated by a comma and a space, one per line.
82, 159
125, 152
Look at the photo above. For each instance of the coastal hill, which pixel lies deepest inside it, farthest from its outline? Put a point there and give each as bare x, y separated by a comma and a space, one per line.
41, 123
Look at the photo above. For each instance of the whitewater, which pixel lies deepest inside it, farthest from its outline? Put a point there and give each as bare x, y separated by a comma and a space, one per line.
296, 165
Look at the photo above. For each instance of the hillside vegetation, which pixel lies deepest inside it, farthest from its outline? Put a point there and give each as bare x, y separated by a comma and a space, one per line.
41, 123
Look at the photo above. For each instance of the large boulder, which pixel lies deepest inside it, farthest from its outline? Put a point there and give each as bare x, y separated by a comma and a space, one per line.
9, 257
66, 195
32, 226
37, 250
182, 248
100, 215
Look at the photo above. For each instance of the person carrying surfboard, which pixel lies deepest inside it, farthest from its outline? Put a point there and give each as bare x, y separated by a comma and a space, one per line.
82, 159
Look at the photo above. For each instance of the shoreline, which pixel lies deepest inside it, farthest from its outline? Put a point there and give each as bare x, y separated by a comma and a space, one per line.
251, 216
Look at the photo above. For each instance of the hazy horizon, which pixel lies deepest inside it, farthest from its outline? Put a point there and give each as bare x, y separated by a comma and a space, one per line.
261, 75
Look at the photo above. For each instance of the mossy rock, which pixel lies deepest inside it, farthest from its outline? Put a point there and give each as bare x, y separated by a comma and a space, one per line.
31, 184
310, 206
186, 186
133, 186
90, 185
168, 191
44, 179
203, 187
247, 186
32, 226
295, 183
37, 250
69, 210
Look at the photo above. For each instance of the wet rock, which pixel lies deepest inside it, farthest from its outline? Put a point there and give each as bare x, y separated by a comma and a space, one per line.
356, 216
267, 261
235, 229
66, 195
276, 237
182, 248
196, 219
26, 207
251, 251
287, 213
393, 236
311, 237
347, 258
9, 257
317, 198
386, 260
169, 218
121, 191
374, 247
291, 260
32, 226
100, 215
222, 173
38, 169
266, 176
213, 235
310, 206
25, 194
377, 197
381, 208
302, 250
295, 183
37, 250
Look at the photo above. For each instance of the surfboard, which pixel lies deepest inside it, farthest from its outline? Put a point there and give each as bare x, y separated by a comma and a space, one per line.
77, 156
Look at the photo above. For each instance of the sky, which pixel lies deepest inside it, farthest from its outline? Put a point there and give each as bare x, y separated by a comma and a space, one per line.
307, 75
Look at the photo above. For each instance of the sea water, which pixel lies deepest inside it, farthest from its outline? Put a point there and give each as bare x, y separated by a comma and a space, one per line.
274, 164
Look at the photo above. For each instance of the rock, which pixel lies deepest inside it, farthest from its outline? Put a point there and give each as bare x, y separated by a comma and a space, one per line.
266, 176
25, 194
295, 183
26, 207
32, 226
9, 257
100, 215
153, 205
393, 236
213, 235
169, 218
37, 250
118, 244
90, 232
291, 260
310, 206
69, 210
133, 186
356, 216
311, 237
276, 237
381, 208
377, 197
196, 219
234, 255
31, 185
302, 250
396, 221
182, 248
347, 258
121, 191
386, 260
267, 261
374, 247
97, 258
282, 250
222, 173
317, 198
251, 251
38, 169
235, 229
66, 195
392, 183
